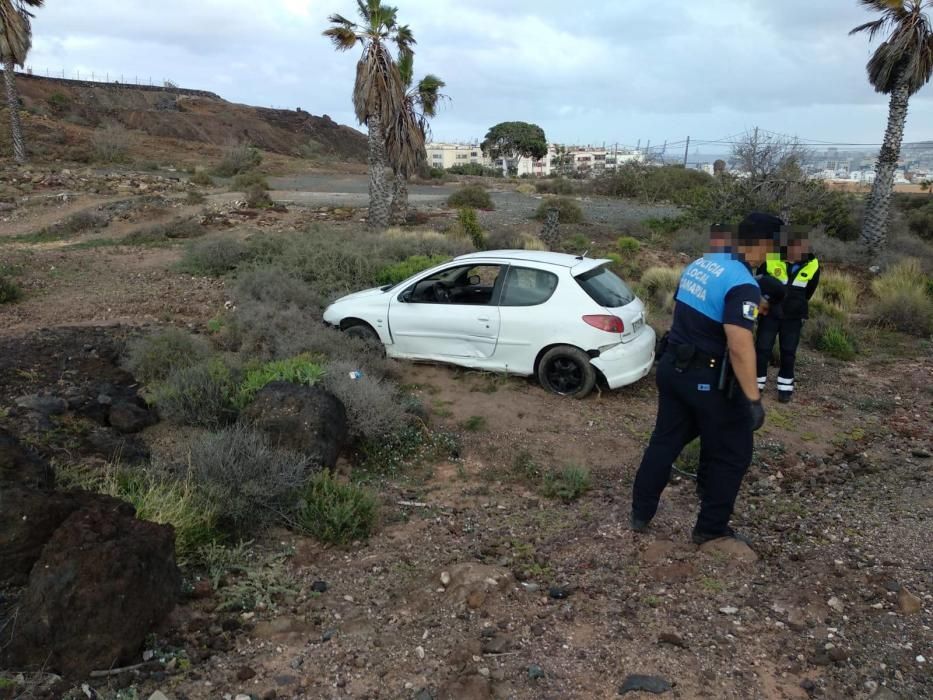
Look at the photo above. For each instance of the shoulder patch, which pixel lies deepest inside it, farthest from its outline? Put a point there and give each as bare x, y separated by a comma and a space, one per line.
749, 310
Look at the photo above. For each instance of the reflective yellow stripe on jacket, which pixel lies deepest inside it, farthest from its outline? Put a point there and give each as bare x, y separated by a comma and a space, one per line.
806, 273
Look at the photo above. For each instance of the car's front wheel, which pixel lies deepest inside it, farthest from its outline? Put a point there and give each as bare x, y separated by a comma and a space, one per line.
567, 371
366, 333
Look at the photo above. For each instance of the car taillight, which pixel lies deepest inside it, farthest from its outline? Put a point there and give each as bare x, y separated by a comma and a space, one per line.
610, 324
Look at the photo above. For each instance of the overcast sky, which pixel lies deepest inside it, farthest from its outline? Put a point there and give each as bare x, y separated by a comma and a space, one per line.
589, 71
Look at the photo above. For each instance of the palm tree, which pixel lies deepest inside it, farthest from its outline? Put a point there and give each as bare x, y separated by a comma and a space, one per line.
406, 136
15, 42
378, 92
900, 66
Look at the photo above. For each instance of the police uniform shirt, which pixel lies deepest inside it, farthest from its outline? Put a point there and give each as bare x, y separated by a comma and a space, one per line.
715, 290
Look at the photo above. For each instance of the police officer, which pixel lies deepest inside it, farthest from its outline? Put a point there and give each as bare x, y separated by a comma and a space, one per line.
706, 380
799, 271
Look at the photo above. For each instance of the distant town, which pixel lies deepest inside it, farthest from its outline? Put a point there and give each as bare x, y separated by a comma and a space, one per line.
855, 167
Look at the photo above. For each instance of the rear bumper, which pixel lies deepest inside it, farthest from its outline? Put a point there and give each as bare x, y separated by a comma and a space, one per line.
628, 362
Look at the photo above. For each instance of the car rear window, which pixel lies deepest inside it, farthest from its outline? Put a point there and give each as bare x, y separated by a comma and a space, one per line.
605, 287
527, 287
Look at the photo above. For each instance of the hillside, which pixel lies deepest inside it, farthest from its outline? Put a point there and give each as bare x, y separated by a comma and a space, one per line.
65, 112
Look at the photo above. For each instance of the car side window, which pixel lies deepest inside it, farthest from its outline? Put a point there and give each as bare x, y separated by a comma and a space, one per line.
527, 286
475, 285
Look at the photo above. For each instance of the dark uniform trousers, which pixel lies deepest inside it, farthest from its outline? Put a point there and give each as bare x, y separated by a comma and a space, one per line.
690, 405
787, 330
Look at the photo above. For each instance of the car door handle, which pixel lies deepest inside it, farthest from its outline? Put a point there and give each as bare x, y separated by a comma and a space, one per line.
483, 319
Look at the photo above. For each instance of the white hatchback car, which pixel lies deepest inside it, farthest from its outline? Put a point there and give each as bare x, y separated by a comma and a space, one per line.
566, 319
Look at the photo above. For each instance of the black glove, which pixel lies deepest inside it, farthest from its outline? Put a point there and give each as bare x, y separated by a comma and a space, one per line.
758, 414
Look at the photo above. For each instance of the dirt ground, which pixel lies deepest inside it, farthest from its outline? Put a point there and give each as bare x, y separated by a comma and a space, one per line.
476, 586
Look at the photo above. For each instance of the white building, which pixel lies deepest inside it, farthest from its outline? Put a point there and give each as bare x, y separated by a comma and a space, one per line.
447, 155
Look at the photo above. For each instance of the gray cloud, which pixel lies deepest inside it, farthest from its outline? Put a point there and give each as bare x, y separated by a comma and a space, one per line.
591, 71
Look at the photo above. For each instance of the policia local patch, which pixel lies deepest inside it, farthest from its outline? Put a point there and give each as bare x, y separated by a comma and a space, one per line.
749, 310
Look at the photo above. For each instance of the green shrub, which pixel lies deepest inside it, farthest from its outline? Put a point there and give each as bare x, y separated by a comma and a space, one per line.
297, 370
201, 178
837, 289
474, 169
336, 513
400, 271
151, 358
474, 196
193, 198
158, 497
71, 226
568, 484
689, 241
202, 394
238, 158
830, 336
213, 256
568, 211
176, 229
58, 101
667, 224
252, 483
244, 181
258, 197
920, 221
9, 291
469, 225
902, 302
627, 244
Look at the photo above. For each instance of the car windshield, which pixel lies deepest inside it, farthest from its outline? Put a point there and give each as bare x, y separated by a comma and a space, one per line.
605, 287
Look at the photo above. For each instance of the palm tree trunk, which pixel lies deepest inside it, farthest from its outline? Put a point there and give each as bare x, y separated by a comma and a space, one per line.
400, 200
19, 148
874, 228
378, 190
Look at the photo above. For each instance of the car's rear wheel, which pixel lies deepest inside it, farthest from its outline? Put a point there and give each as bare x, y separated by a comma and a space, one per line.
567, 371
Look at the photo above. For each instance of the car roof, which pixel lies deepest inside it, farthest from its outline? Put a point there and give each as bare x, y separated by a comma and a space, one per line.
534, 256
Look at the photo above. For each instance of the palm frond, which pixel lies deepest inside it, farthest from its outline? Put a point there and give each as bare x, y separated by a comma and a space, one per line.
15, 33
404, 38
429, 94
378, 90
343, 38
871, 27
342, 21
406, 68
405, 142
906, 55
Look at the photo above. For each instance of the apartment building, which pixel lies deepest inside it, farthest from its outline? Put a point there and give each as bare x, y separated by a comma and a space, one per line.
447, 155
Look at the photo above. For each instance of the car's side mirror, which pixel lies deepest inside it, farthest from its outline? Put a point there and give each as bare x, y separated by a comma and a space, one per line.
406, 296
474, 280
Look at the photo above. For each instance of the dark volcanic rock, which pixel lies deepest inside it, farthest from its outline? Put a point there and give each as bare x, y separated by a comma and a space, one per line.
103, 581
648, 684
305, 419
20, 466
128, 417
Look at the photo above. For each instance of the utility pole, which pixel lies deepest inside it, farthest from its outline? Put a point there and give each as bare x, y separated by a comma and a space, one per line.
648, 150
686, 151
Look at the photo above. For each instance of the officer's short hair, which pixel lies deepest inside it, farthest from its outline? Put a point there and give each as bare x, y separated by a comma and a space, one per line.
759, 226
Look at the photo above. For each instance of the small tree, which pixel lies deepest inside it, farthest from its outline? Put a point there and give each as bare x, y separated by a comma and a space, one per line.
512, 140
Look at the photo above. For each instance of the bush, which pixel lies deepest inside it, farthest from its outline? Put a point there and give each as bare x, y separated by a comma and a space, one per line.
525, 188
837, 289
213, 256
58, 101
201, 178
627, 244
274, 285
157, 497
474, 169
568, 211
238, 158
658, 285
557, 186
71, 226
176, 229
468, 227
300, 369
830, 336
374, 411
336, 513
9, 291
151, 358
903, 302
568, 484
193, 198
920, 222
111, 144
257, 197
400, 271
474, 196
201, 394
691, 242
244, 181
252, 483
